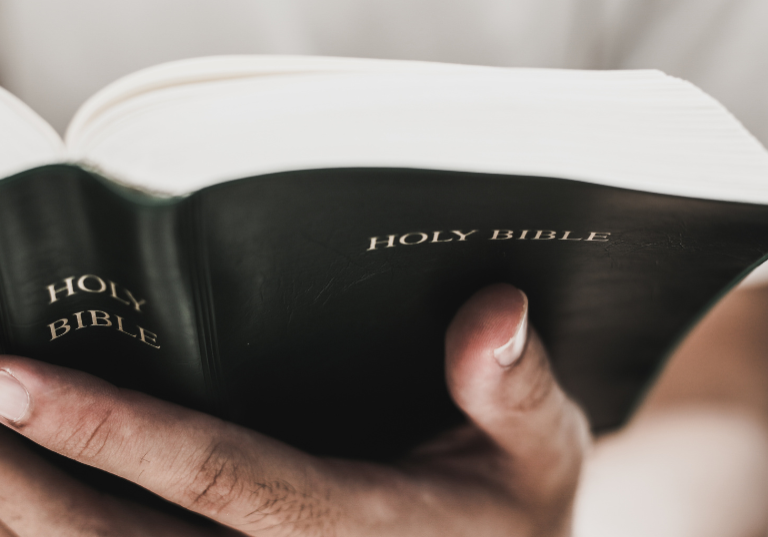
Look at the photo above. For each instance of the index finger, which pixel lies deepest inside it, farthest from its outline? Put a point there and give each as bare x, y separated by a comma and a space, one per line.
228, 473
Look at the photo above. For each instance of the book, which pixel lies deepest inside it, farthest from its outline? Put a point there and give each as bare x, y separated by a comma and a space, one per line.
282, 241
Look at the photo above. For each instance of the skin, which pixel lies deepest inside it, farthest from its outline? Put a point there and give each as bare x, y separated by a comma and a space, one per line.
513, 470
693, 461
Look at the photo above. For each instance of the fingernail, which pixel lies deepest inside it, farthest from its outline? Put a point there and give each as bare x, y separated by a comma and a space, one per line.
512, 350
14, 398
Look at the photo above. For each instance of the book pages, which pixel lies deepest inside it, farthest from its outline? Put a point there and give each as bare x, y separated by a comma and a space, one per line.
26, 140
632, 129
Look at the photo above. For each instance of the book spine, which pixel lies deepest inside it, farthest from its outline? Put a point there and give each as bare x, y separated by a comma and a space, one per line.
6, 344
92, 280
195, 252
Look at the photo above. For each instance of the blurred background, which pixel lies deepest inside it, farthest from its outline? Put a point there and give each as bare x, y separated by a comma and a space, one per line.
55, 53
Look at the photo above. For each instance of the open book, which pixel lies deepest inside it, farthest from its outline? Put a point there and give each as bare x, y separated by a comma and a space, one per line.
282, 241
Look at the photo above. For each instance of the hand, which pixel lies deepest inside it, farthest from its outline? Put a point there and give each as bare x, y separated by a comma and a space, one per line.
693, 460
512, 471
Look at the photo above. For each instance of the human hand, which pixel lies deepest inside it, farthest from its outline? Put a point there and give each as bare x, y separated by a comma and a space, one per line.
512, 471
693, 459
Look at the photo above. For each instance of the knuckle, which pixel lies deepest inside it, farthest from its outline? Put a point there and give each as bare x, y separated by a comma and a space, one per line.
278, 505
215, 480
88, 436
223, 481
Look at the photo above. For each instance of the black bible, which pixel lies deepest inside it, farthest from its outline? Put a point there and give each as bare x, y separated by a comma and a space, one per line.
282, 242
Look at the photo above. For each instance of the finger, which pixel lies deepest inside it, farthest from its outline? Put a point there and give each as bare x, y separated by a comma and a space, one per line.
225, 472
38, 499
5, 531
499, 374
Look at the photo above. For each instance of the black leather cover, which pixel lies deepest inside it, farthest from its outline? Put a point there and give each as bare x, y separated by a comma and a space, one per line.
271, 309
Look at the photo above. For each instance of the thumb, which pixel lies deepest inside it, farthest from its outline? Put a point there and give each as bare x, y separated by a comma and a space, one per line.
498, 373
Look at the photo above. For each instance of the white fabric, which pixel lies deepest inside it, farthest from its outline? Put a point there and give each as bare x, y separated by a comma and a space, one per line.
54, 54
